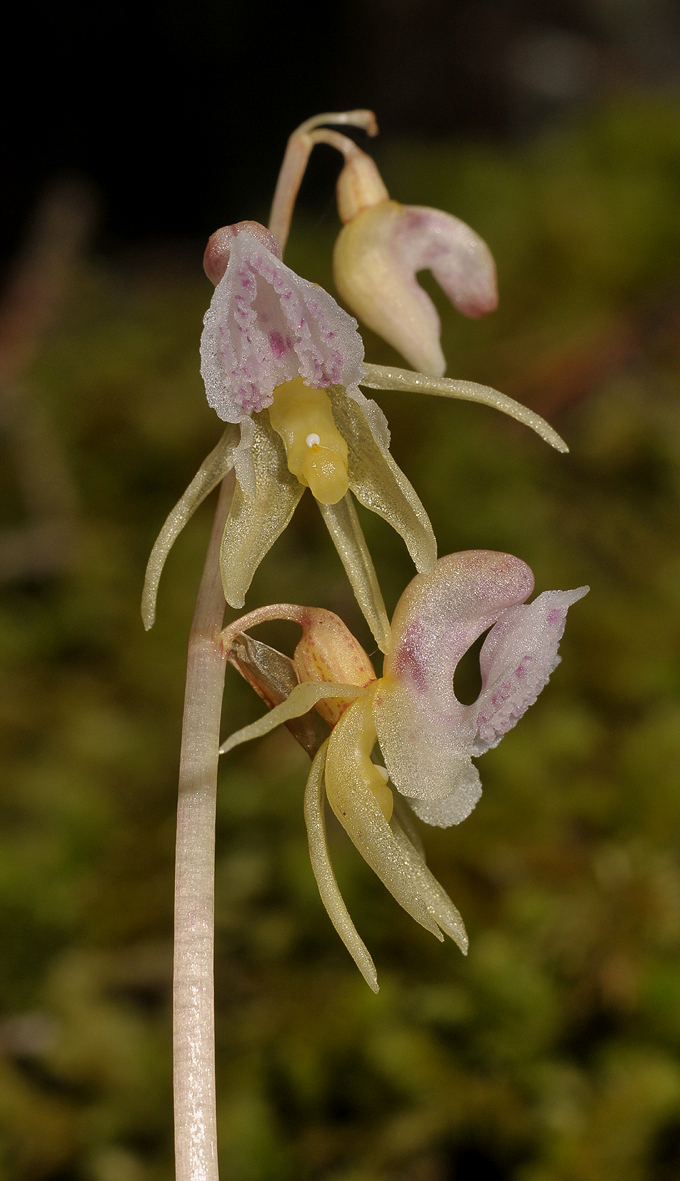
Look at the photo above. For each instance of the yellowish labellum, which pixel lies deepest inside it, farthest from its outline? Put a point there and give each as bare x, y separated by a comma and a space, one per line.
354, 737
315, 449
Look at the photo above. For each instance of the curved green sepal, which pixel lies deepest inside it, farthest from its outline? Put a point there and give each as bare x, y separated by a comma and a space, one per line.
428, 888
301, 699
384, 377
348, 538
323, 872
375, 479
254, 523
211, 472
389, 853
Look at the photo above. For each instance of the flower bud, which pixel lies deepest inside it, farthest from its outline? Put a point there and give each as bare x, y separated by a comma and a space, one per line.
218, 250
360, 186
381, 248
329, 652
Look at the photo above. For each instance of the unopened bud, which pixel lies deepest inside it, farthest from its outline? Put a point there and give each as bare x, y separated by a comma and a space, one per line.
360, 186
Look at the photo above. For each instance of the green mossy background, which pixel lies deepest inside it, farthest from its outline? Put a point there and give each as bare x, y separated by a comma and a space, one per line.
552, 1053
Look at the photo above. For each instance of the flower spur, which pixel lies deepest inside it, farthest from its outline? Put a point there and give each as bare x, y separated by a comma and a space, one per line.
282, 364
427, 737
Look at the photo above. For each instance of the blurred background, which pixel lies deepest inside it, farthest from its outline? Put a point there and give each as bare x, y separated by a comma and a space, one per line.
552, 1053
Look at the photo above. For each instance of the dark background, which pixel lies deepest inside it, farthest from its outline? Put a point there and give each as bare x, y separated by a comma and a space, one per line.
179, 113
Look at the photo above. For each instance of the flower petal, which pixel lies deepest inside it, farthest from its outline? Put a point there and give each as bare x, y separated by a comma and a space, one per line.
265, 326
323, 872
375, 479
374, 282
461, 262
375, 261
254, 523
300, 700
211, 472
516, 661
425, 733
438, 901
348, 538
348, 775
389, 377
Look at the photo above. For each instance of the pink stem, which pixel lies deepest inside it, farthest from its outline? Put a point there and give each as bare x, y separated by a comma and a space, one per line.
193, 995
299, 146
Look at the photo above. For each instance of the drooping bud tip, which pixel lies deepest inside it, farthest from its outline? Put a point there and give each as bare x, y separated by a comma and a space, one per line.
216, 257
360, 186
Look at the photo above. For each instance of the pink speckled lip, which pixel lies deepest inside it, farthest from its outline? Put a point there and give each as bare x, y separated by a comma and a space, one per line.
265, 326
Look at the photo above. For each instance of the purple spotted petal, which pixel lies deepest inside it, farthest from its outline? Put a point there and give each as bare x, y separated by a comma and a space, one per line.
516, 661
265, 326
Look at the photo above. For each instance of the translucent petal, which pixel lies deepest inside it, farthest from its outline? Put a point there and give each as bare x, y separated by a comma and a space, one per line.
347, 535
301, 699
357, 809
457, 805
266, 325
272, 676
425, 733
426, 747
405, 817
211, 472
254, 523
323, 872
375, 479
383, 377
429, 888
516, 661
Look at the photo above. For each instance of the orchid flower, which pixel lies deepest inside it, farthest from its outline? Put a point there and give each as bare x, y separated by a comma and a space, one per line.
427, 737
382, 246
282, 365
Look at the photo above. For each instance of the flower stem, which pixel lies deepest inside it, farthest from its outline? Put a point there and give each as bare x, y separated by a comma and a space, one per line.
295, 160
193, 990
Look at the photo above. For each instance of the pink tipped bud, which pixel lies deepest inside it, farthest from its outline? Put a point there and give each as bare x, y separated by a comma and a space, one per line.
377, 257
216, 257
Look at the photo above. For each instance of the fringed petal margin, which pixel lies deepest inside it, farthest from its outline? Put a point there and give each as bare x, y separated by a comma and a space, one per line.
323, 871
384, 377
255, 523
211, 472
